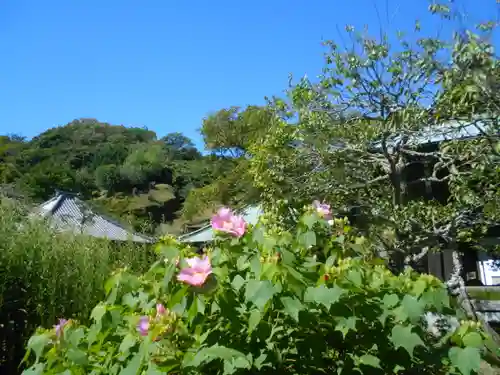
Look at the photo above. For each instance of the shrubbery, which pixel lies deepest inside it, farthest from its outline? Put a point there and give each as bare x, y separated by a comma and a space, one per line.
310, 301
45, 275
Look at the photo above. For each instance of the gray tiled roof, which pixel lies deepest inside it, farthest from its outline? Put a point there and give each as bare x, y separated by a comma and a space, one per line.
68, 213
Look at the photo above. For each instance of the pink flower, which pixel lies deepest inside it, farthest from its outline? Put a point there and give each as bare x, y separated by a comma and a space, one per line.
322, 209
226, 221
160, 309
197, 272
60, 326
143, 325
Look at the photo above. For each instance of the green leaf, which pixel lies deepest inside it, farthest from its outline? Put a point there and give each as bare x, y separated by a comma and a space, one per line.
369, 360
75, 336
323, 295
128, 342
466, 360
38, 343
217, 352
287, 257
309, 220
200, 304
330, 261
308, 239
437, 298
77, 356
98, 312
154, 370
413, 307
253, 320
133, 366
473, 339
130, 301
390, 300
169, 273
258, 235
355, 277
259, 292
292, 307
259, 361
36, 369
403, 337
255, 265
419, 287
242, 263
345, 325
237, 282
269, 270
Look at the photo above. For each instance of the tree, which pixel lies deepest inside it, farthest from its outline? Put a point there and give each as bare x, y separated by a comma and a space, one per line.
364, 142
180, 147
232, 131
127, 171
107, 177
230, 135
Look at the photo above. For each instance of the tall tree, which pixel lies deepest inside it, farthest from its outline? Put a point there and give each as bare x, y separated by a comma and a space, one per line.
232, 131
230, 135
385, 163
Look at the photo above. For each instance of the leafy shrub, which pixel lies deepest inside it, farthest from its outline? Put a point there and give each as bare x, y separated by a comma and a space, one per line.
310, 301
45, 275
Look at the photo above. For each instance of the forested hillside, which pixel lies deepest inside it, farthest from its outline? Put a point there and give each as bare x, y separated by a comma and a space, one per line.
134, 174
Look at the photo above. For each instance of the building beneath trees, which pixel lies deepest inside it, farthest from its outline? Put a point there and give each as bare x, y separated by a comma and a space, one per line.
480, 267
67, 213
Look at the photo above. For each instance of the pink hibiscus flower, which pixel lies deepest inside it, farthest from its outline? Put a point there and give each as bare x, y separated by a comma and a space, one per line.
226, 221
322, 209
197, 272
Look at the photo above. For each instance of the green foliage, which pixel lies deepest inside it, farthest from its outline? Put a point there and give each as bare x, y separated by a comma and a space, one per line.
369, 138
230, 134
275, 303
107, 177
119, 168
232, 131
44, 275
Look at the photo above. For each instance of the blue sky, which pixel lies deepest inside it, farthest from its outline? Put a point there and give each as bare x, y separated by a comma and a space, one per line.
165, 64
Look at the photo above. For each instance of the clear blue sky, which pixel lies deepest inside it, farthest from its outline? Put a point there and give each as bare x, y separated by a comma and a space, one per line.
165, 64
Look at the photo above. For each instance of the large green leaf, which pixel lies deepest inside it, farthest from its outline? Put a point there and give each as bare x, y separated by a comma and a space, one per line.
237, 282
133, 365
219, 352
345, 325
323, 295
128, 342
308, 239
259, 292
412, 307
403, 337
466, 360
473, 339
37, 343
369, 360
98, 312
292, 306
254, 319
77, 356
390, 300
36, 369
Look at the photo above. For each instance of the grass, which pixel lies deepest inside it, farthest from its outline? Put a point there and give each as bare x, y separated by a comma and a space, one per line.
46, 275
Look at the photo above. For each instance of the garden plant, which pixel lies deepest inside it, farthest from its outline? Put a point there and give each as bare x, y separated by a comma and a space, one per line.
311, 300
